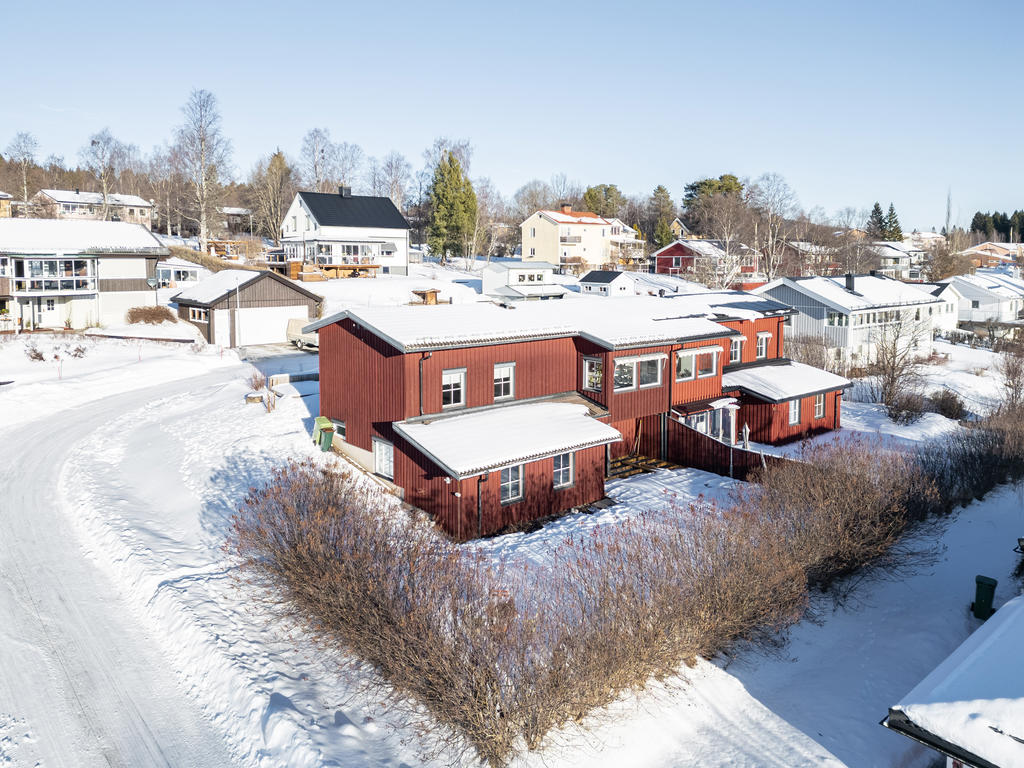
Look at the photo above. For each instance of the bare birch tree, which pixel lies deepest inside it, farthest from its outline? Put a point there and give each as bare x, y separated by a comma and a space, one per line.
898, 348
727, 218
270, 191
397, 173
203, 152
374, 180
319, 160
22, 152
774, 203
104, 157
350, 160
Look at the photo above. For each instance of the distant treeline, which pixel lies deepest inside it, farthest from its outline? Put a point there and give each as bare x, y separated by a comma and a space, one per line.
998, 226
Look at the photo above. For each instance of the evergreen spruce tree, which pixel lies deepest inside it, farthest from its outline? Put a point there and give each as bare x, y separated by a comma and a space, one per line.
453, 210
876, 223
893, 232
663, 234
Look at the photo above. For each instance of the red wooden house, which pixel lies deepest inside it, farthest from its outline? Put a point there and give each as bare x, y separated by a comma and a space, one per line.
489, 416
702, 259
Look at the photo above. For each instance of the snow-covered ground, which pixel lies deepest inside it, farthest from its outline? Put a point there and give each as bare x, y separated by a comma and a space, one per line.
127, 641
178, 331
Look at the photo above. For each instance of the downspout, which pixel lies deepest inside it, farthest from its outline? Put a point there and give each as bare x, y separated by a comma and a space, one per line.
670, 374
423, 356
480, 505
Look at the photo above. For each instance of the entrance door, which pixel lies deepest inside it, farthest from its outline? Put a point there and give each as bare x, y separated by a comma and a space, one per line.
383, 458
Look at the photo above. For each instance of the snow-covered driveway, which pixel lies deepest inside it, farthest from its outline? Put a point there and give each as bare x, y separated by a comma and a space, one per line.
82, 682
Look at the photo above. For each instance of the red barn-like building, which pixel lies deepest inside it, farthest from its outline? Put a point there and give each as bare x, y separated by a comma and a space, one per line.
702, 259
488, 416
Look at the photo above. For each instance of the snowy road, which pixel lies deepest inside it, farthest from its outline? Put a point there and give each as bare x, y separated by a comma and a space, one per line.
82, 683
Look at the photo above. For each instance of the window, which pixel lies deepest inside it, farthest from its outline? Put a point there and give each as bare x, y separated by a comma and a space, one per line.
735, 350
698, 421
511, 484
383, 458
533, 231
706, 365
563, 470
339, 428
794, 411
632, 372
50, 305
837, 318
975, 304
453, 388
522, 278
685, 367
504, 381
593, 374
533, 251
762, 345
819, 406
198, 315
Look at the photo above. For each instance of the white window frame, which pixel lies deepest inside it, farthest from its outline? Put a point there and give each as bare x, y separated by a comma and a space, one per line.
819, 406
461, 374
389, 450
587, 363
736, 346
511, 483
634, 363
763, 339
794, 411
198, 315
566, 471
511, 380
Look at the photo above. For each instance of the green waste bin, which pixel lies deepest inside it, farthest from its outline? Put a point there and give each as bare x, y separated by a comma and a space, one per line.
320, 424
984, 594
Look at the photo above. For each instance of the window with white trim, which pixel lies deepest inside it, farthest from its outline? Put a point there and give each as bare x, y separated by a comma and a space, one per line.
198, 315
504, 381
707, 364
511, 484
634, 373
383, 458
794, 411
453, 388
762, 345
593, 374
819, 406
686, 368
563, 476
735, 350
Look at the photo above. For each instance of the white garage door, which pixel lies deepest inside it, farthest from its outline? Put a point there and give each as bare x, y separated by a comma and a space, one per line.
222, 327
266, 325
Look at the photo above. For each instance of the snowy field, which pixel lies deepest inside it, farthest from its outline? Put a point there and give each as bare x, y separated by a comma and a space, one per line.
127, 641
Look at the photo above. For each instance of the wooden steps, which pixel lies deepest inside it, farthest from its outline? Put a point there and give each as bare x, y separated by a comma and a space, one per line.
628, 466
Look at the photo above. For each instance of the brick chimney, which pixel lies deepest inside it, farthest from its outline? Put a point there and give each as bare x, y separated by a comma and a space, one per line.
345, 191
849, 281
566, 207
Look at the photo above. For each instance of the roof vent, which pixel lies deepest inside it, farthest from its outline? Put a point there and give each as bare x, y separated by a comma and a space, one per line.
345, 191
76, 191
849, 281
872, 273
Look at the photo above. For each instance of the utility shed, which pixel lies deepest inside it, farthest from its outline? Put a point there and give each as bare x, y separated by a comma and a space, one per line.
237, 307
971, 707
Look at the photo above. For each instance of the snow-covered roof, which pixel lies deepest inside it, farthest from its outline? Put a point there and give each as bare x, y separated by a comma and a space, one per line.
210, 289
473, 443
496, 266
637, 321
229, 211
974, 700
1001, 285
52, 236
95, 198
530, 289
868, 291
178, 263
575, 217
5, 196
905, 248
777, 383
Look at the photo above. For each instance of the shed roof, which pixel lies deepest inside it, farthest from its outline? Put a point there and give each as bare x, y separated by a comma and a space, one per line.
472, 443
777, 382
212, 289
95, 198
868, 291
333, 210
601, 276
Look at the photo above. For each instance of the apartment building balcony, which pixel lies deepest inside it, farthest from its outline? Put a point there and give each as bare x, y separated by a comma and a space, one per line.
53, 285
570, 239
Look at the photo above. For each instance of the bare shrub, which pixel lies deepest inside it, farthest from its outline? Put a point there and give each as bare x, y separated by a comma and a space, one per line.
1011, 367
842, 508
270, 400
151, 315
813, 351
78, 351
257, 381
908, 407
896, 369
33, 352
948, 403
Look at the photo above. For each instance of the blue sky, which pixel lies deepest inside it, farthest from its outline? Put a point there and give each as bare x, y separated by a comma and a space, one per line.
850, 102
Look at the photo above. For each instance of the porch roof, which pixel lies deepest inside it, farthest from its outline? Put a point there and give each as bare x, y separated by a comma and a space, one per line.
469, 444
777, 383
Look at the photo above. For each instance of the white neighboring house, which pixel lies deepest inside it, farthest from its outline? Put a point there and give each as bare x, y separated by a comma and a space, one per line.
343, 229
989, 295
924, 241
57, 274
900, 260
851, 314
607, 282
179, 273
75, 204
577, 240
518, 280
946, 317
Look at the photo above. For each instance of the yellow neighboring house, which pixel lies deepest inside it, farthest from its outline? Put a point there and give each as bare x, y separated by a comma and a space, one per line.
577, 241
5, 205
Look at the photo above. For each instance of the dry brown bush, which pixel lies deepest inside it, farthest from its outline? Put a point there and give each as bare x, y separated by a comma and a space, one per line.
151, 315
257, 380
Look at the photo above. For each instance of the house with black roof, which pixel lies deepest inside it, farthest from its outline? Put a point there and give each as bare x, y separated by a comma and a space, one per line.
607, 282
346, 235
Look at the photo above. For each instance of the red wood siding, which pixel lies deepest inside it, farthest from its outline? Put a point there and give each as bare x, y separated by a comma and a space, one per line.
361, 382
458, 515
769, 422
542, 368
700, 388
695, 449
649, 429
750, 329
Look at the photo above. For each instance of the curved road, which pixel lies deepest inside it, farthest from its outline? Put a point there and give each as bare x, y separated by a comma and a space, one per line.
81, 682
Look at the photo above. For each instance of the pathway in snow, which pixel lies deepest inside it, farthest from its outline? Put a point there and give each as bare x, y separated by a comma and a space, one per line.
81, 683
